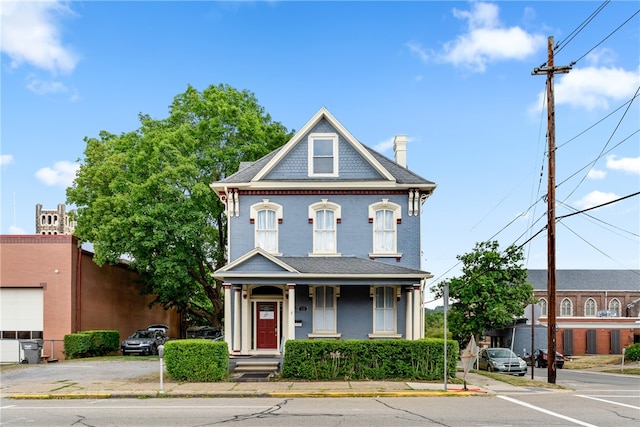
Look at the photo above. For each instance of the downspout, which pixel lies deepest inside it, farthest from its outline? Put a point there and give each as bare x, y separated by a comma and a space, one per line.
79, 290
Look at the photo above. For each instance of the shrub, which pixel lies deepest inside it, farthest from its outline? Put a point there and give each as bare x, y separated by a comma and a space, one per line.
91, 343
632, 353
197, 360
368, 359
77, 345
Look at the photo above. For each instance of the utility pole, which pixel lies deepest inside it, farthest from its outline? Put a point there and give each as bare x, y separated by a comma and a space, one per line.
550, 70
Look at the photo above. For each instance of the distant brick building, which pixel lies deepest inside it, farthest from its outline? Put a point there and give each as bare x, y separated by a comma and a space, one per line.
50, 287
597, 311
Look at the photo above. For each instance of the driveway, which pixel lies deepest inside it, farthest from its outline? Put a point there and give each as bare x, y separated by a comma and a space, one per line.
87, 369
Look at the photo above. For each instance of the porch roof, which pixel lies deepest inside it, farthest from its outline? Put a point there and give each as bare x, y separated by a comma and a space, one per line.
317, 270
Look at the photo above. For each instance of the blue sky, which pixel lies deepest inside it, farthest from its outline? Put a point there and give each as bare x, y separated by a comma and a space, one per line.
455, 77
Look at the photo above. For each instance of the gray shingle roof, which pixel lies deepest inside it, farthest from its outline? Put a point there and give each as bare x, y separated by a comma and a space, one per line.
401, 174
588, 280
347, 265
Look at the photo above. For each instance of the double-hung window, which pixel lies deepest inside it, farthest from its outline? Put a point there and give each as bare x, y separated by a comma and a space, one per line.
323, 154
325, 216
324, 310
385, 217
384, 314
266, 216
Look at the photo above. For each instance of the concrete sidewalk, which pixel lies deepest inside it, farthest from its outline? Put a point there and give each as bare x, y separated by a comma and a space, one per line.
137, 388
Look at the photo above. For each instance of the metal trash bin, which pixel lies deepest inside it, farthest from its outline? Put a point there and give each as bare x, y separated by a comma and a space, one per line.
32, 350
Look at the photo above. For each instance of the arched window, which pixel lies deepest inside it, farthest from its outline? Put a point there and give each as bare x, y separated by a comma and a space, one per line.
614, 307
566, 308
266, 216
590, 307
325, 216
385, 217
543, 307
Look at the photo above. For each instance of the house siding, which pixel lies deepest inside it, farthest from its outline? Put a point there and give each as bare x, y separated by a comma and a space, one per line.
354, 233
351, 165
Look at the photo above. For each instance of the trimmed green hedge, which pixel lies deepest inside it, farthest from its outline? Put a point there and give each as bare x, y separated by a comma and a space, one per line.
197, 360
91, 343
369, 359
632, 353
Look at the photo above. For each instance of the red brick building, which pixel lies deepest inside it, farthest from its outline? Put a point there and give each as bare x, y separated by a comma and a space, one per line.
597, 311
50, 287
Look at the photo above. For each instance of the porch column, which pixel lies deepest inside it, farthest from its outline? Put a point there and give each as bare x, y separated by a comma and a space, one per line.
417, 312
246, 321
291, 321
237, 324
227, 315
408, 334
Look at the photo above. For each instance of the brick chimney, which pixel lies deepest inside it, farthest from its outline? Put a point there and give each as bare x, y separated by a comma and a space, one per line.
400, 149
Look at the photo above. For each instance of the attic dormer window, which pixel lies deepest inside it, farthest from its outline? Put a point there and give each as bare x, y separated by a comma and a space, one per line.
323, 154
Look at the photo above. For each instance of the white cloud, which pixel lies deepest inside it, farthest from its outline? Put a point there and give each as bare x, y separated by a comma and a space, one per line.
16, 230
383, 146
595, 198
596, 174
62, 174
625, 164
31, 34
6, 159
417, 49
595, 87
42, 87
487, 40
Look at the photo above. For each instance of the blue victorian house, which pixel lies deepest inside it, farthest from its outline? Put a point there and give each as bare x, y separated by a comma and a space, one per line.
323, 242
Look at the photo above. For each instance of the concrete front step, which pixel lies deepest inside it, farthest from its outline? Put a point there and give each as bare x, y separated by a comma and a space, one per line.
256, 366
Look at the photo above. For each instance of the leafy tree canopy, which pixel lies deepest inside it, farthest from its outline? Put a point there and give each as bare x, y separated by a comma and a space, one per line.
145, 195
491, 292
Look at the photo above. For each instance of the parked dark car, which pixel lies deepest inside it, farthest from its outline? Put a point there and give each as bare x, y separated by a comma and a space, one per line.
541, 358
501, 360
203, 332
144, 342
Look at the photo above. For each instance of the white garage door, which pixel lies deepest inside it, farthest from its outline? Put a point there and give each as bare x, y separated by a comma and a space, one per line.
21, 317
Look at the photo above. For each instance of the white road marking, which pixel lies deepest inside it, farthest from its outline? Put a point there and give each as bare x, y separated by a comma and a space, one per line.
609, 401
554, 414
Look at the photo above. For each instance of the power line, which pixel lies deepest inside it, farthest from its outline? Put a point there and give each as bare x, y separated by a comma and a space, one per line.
610, 34
580, 27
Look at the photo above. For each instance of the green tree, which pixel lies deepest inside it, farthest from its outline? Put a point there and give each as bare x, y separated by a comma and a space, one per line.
491, 292
434, 323
145, 196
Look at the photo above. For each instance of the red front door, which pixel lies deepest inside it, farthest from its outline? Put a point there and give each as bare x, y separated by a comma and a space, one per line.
267, 325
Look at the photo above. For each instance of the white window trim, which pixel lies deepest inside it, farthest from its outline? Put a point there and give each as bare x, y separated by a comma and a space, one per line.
326, 333
324, 204
619, 310
397, 216
544, 307
253, 216
385, 334
570, 308
311, 139
595, 308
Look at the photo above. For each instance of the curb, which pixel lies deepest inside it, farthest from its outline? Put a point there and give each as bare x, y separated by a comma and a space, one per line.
278, 394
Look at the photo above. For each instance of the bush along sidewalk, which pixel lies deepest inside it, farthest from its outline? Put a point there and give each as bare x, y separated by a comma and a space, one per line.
321, 360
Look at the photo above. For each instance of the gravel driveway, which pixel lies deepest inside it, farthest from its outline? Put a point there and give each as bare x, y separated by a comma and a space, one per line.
87, 370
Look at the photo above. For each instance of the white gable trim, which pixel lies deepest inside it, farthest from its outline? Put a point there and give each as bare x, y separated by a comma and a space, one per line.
322, 113
251, 254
